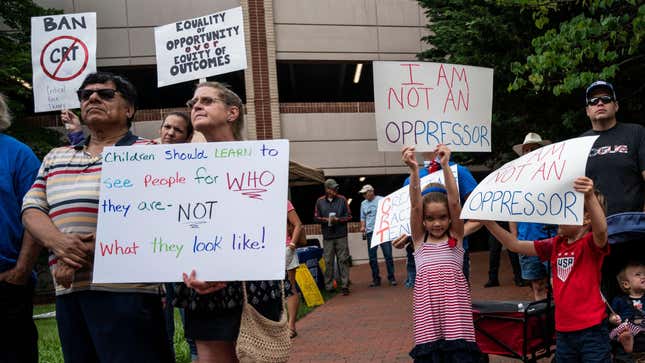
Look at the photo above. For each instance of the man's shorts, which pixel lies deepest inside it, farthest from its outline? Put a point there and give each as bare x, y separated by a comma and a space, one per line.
533, 268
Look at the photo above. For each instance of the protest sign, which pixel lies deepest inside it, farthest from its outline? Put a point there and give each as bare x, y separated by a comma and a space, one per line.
63, 53
426, 104
200, 47
219, 208
393, 211
537, 187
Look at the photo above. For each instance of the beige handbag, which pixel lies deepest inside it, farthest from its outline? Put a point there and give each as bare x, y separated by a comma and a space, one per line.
262, 339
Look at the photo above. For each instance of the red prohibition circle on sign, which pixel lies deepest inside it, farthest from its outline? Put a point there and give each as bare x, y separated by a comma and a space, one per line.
64, 58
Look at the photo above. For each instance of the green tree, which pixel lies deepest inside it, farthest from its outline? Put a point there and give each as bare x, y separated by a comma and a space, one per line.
601, 39
15, 71
15, 51
503, 35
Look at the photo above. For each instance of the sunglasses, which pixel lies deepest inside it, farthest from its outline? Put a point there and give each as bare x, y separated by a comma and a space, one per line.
206, 101
604, 99
104, 93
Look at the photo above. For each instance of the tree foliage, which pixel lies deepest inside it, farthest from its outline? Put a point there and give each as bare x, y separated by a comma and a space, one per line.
601, 41
15, 50
544, 53
15, 71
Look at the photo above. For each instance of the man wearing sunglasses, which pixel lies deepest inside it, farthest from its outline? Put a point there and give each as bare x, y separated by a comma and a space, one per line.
96, 322
617, 160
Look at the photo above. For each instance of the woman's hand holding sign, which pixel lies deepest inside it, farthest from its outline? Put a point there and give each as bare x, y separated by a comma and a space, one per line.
202, 287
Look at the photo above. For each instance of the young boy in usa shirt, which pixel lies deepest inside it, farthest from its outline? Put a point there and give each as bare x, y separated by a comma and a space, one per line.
576, 256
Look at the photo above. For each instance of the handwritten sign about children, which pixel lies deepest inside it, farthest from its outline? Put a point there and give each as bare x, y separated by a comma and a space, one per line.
218, 208
63, 52
426, 104
393, 213
537, 187
200, 47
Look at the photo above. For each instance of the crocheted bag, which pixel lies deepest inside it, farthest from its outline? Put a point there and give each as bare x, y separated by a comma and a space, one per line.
262, 339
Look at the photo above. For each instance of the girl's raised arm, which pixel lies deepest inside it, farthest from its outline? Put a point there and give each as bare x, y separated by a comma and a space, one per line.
416, 202
454, 204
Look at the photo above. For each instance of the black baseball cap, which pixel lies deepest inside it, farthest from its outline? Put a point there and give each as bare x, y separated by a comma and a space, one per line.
600, 84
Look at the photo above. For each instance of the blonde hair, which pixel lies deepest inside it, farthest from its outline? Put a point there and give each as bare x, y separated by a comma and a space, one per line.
231, 99
622, 275
5, 116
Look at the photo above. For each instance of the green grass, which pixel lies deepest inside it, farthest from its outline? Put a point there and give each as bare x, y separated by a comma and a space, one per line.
49, 344
303, 309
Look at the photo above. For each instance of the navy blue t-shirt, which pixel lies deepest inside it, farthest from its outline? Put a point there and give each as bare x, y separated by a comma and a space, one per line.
616, 162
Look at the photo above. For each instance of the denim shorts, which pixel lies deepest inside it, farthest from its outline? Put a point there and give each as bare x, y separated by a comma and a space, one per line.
533, 268
291, 259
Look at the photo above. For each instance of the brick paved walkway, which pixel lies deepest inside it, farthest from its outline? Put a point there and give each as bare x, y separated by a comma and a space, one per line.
375, 324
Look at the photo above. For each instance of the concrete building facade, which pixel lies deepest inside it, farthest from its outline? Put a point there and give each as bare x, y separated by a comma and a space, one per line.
335, 135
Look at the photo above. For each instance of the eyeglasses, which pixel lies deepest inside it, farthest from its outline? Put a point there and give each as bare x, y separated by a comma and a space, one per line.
206, 101
604, 99
84, 94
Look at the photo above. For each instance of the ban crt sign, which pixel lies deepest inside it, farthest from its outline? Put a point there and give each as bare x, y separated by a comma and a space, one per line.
63, 52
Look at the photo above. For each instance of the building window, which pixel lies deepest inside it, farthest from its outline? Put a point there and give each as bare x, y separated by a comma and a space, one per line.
325, 82
176, 95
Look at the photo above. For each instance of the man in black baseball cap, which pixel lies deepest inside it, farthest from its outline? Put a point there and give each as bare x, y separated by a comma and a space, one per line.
332, 212
617, 160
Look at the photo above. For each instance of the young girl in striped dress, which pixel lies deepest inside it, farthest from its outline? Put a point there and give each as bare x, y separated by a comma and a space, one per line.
443, 320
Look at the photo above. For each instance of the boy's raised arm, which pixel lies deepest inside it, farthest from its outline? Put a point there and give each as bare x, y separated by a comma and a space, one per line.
510, 241
584, 185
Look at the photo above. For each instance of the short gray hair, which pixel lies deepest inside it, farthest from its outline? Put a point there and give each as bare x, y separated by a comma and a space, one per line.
231, 99
5, 116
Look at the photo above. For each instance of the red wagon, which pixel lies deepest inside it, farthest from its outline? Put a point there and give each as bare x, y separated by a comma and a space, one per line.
517, 329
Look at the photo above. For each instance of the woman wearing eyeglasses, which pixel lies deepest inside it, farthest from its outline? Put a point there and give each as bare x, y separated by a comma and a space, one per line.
213, 309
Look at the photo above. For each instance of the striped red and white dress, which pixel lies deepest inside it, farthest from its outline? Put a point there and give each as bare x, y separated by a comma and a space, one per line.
442, 303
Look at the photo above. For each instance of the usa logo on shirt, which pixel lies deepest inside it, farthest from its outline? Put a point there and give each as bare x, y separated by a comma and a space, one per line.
564, 265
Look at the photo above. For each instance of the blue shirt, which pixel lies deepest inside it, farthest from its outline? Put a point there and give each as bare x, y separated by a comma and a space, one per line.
18, 170
368, 213
534, 231
465, 180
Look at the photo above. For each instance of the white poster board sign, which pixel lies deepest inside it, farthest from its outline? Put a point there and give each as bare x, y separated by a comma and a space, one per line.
200, 47
219, 208
537, 187
393, 211
63, 53
426, 104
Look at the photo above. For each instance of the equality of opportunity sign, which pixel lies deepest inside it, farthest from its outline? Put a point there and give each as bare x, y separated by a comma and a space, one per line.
537, 187
393, 210
200, 47
219, 208
63, 52
426, 104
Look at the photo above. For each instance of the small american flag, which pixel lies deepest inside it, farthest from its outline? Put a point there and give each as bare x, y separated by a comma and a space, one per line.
633, 328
